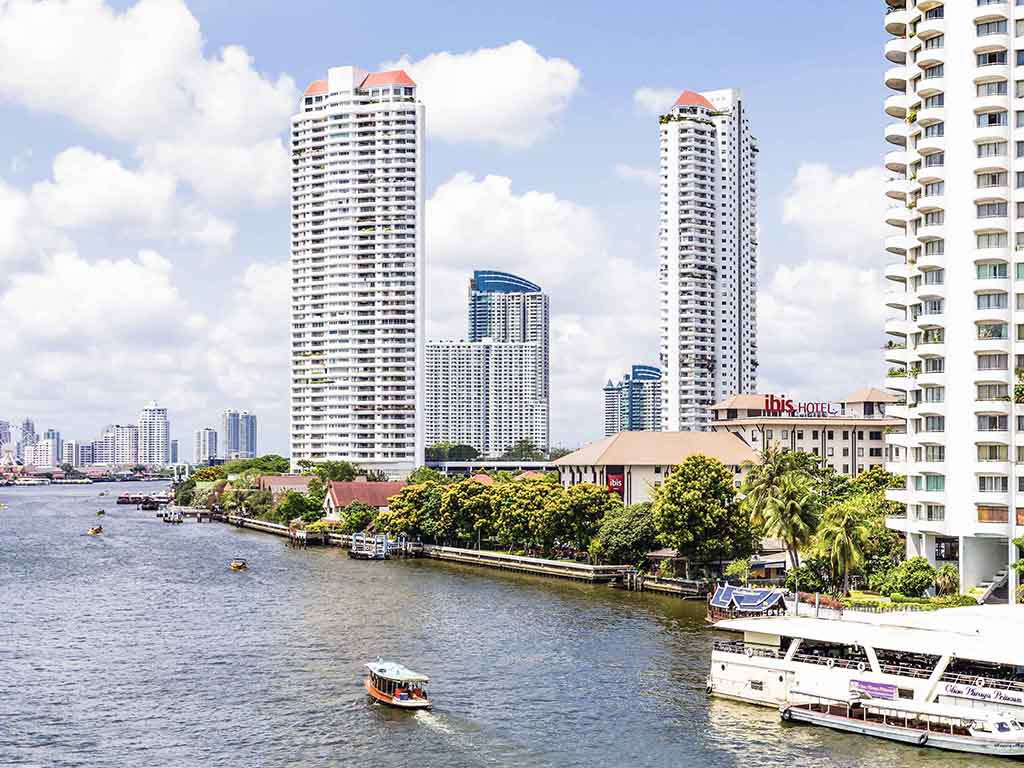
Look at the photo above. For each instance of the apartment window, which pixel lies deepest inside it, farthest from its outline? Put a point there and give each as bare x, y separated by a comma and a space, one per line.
846, 434
935, 13
935, 160
1018, 27
992, 362
991, 58
992, 240
992, 119
1020, 454
991, 28
934, 364
991, 392
935, 130
831, 434
768, 434
814, 450
831, 452
933, 336
935, 247
935, 482
935, 453
991, 210
935, 42
991, 301
1019, 89
799, 434
992, 452
937, 71
993, 149
991, 180
1020, 179
992, 424
935, 188
1020, 332
931, 395
992, 89
814, 434
1020, 271
935, 218
846, 452
932, 307
1020, 484
935, 276
846, 469
992, 484
933, 102
934, 423
785, 434
860, 451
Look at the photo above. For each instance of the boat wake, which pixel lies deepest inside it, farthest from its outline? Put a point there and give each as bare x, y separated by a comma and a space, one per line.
434, 721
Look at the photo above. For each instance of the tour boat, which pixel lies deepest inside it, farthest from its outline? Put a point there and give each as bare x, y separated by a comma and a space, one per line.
125, 498
95, 531
960, 729
729, 601
955, 657
238, 564
396, 686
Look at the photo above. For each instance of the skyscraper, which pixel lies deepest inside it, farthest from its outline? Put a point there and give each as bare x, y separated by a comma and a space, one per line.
227, 441
634, 403
357, 271
28, 436
154, 436
205, 445
955, 324
5, 433
707, 254
174, 451
247, 443
71, 453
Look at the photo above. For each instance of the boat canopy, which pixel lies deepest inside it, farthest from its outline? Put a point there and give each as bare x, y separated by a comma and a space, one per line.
391, 671
746, 600
930, 709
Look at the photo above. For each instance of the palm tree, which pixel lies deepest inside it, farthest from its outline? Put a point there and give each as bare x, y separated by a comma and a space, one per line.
843, 535
763, 479
790, 513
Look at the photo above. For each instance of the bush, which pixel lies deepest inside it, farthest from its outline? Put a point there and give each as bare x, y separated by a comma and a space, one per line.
912, 577
947, 580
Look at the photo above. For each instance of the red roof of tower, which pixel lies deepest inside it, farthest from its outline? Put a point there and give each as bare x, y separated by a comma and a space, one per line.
317, 86
391, 77
693, 99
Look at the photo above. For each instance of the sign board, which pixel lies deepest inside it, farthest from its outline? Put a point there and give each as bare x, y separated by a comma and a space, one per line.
780, 405
617, 484
977, 693
874, 690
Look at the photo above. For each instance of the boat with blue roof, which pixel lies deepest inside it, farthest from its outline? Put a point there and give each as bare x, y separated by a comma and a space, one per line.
730, 602
397, 686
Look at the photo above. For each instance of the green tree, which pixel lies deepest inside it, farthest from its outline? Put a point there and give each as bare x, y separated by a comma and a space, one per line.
357, 516
293, 505
376, 476
413, 511
739, 570
523, 450
437, 452
811, 576
515, 507
625, 535
912, 577
875, 480
764, 479
426, 475
464, 513
335, 471
558, 452
842, 537
588, 506
947, 580
463, 453
790, 513
316, 492
258, 504
697, 514
206, 474
184, 492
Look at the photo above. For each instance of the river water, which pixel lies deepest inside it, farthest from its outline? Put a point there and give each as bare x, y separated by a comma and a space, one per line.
141, 648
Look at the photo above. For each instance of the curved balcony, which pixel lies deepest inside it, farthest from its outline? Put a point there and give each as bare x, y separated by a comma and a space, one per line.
896, 78
898, 189
926, 59
990, 468
930, 174
991, 194
997, 42
896, 160
931, 350
900, 244
992, 12
927, 145
991, 255
931, 203
899, 216
926, 408
931, 291
896, 133
896, 22
990, 345
991, 315
932, 320
931, 261
896, 50
991, 103
991, 164
992, 224
929, 86
930, 27
897, 298
898, 272
933, 232
990, 72
900, 327
991, 285
900, 355
897, 104
934, 379
928, 115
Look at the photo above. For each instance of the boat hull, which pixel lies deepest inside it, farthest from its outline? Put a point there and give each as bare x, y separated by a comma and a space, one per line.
391, 701
912, 736
357, 555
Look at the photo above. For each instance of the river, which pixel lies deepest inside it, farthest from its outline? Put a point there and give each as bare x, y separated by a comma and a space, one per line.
141, 648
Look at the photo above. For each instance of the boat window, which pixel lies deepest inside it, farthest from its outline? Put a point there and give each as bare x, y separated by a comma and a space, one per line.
1002, 727
756, 685
905, 693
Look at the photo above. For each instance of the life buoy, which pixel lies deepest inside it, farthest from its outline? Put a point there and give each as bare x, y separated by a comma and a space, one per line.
787, 715
830, 663
861, 666
980, 682
922, 739
749, 652
708, 689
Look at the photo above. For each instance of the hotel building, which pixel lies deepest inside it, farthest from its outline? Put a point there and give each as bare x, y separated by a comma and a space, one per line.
956, 135
848, 434
357, 271
634, 403
154, 436
707, 254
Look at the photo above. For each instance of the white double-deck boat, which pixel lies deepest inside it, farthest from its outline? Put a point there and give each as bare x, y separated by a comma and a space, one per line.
960, 658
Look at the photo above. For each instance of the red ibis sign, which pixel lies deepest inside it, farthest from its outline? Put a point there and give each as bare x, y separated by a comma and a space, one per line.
617, 484
780, 405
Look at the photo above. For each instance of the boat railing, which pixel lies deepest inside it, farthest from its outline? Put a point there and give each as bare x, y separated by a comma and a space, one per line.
747, 649
829, 661
980, 681
904, 670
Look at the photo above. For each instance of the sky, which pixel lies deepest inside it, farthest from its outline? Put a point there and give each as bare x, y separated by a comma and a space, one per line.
144, 188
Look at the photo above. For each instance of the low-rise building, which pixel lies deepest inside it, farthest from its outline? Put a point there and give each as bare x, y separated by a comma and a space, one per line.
848, 433
340, 495
633, 464
279, 485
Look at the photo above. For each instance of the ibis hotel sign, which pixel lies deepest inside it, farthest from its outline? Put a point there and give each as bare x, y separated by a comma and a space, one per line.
780, 405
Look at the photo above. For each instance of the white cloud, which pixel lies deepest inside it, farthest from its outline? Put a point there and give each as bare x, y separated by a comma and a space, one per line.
141, 76
510, 95
603, 306
821, 319
657, 101
648, 176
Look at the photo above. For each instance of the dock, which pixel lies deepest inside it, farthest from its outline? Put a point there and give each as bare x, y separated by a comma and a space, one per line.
690, 589
563, 569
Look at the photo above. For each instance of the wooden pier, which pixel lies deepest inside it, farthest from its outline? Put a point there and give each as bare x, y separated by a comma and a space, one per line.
563, 569
689, 589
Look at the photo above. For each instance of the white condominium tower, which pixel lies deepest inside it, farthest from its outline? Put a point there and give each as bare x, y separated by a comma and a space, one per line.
955, 329
357, 271
154, 436
205, 445
707, 256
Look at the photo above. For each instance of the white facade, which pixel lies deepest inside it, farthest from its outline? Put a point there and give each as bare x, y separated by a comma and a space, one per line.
227, 440
358, 310
71, 453
154, 436
634, 403
42, 453
486, 394
956, 131
205, 445
707, 253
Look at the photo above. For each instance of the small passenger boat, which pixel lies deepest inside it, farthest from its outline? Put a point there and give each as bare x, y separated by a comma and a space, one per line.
396, 686
125, 498
100, 512
959, 729
96, 531
238, 564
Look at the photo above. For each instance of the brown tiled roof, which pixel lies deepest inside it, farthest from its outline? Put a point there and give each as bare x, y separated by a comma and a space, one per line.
374, 494
278, 483
660, 449
870, 395
482, 479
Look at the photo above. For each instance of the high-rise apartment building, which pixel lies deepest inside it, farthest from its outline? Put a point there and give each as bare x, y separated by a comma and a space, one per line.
227, 441
42, 453
357, 271
634, 403
247, 442
71, 453
486, 394
956, 136
85, 457
707, 256
5, 433
174, 451
205, 445
154, 431
54, 435
125, 443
